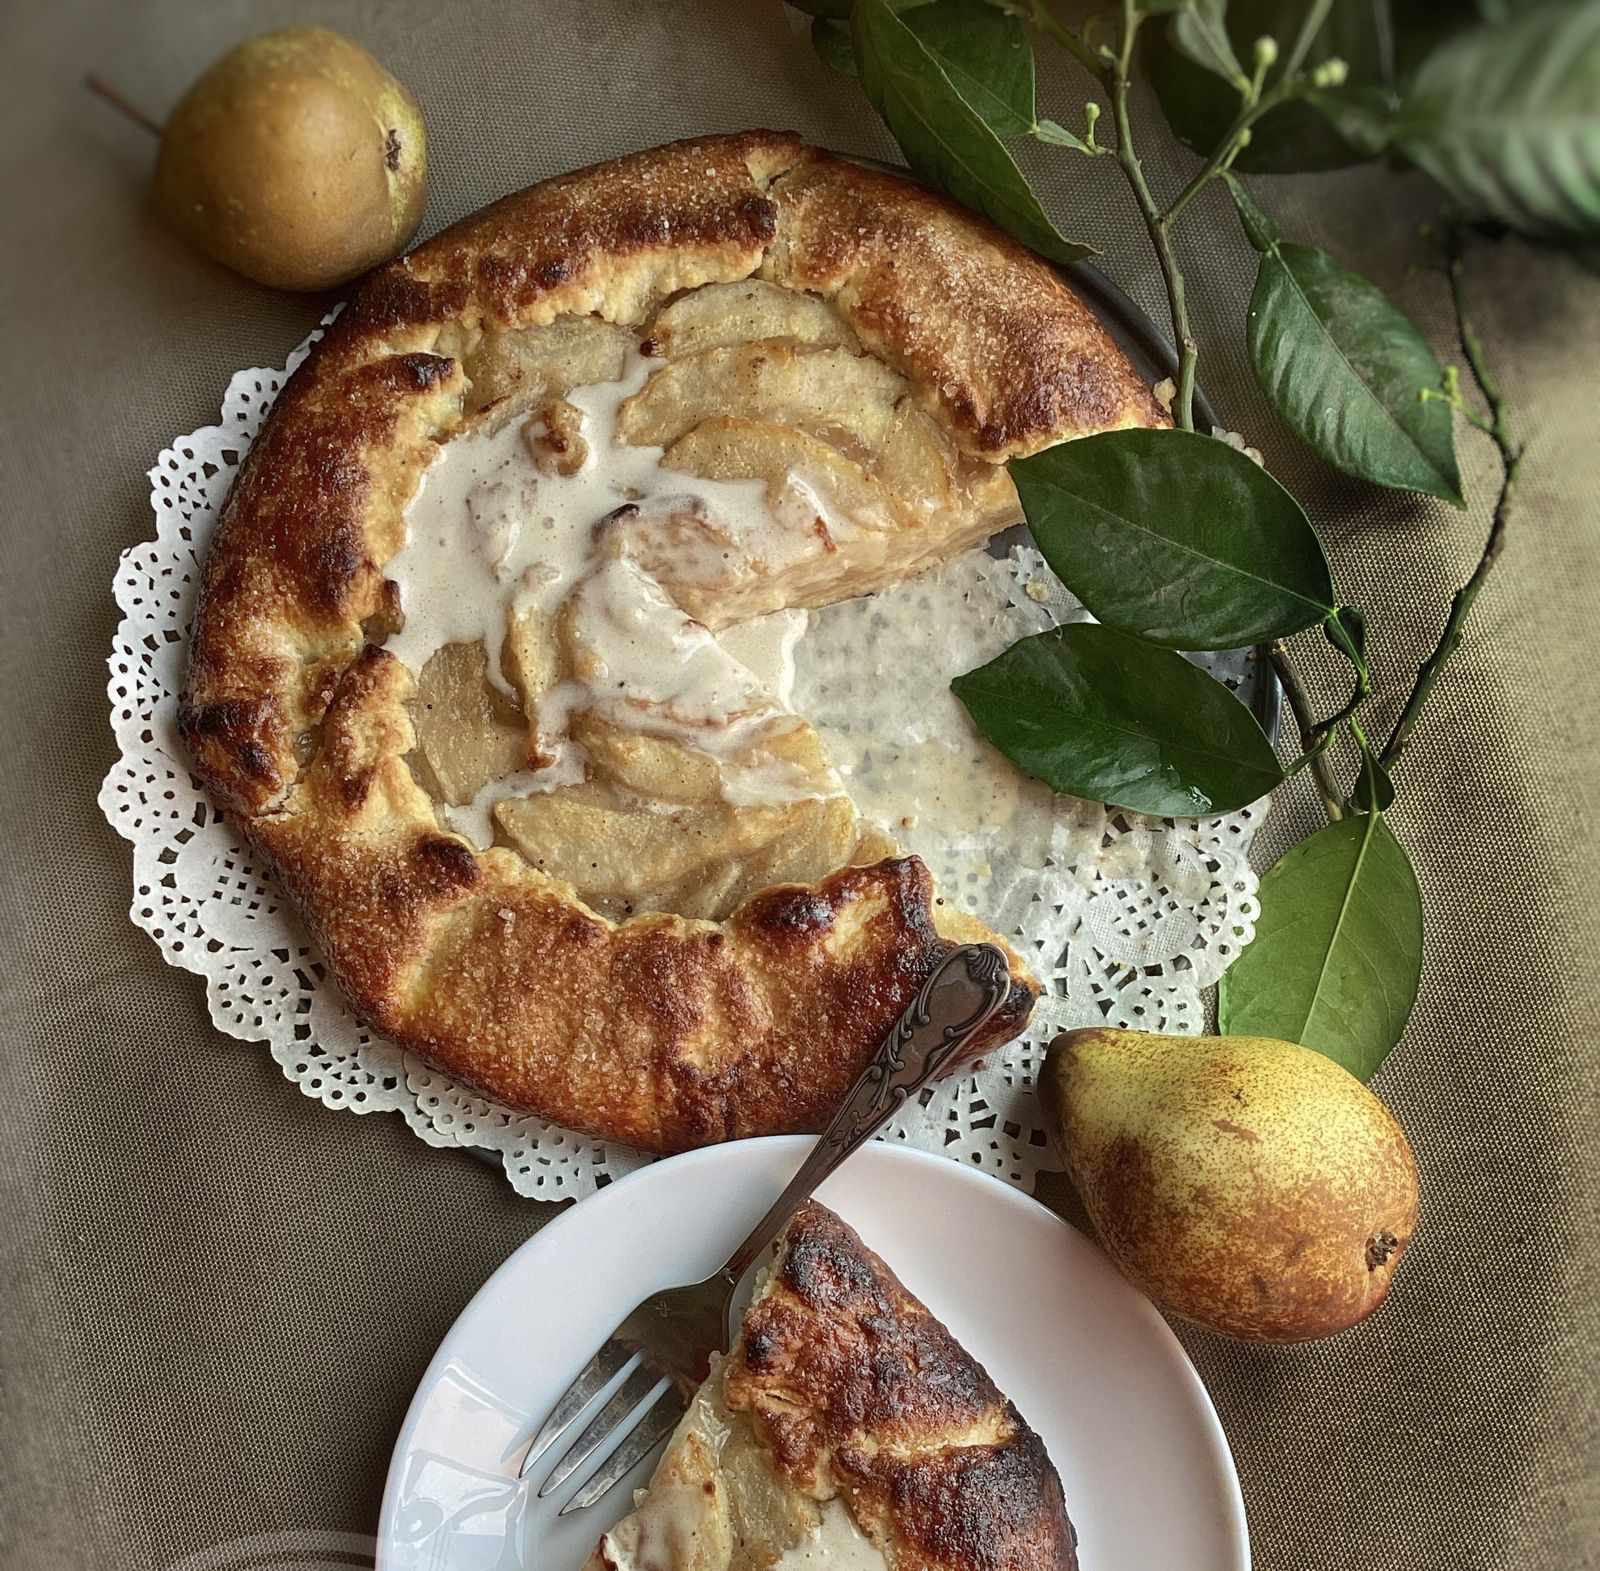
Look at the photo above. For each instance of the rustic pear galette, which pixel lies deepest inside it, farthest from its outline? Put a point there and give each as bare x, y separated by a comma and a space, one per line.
492, 654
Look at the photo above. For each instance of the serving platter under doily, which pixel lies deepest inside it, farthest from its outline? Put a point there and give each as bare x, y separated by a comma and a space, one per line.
1126, 920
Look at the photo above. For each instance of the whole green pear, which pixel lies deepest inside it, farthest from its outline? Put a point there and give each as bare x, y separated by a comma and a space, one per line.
1250, 1185
295, 159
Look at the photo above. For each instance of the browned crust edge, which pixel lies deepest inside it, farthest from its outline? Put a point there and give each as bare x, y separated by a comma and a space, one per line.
856, 1387
661, 1032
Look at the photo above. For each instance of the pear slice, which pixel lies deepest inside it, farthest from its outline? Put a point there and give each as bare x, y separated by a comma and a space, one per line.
530, 655
818, 838
831, 525
468, 732
538, 364
738, 313
919, 463
622, 856
656, 767
843, 398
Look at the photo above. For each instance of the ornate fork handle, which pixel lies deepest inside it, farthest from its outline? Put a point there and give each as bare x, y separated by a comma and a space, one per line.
960, 994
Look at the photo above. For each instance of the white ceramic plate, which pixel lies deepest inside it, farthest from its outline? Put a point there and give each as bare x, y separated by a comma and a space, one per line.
1092, 1366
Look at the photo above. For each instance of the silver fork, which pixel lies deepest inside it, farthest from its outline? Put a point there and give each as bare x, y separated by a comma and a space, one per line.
662, 1350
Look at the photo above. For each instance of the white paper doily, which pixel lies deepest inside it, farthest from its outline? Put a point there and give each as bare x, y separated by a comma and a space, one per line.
1126, 924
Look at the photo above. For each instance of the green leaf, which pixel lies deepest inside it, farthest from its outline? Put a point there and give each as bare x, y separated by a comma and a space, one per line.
1345, 368
1338, 948
1374, 785
1175, 538
944, 139
1200, 30
1507, 119
1097, 714
1054, 135
985, 54
1346, 630
831, 40
1259, 230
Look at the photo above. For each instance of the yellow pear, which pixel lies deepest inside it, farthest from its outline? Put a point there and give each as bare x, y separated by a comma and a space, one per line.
296, 159
1250, 1185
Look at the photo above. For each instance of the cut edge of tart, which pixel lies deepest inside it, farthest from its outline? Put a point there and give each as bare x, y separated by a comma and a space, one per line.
661, 1029
846, 1428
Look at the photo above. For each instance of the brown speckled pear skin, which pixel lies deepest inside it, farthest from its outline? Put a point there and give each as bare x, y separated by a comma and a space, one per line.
1249, 1185
296, 159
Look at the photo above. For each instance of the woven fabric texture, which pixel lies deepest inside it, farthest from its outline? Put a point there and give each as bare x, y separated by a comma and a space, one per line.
216, 1305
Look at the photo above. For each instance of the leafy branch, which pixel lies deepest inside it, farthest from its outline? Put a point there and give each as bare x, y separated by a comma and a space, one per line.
1112, 68
1498, 428
1174, 541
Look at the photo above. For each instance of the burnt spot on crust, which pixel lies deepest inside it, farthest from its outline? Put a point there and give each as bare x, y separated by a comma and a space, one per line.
795, 913
391, 149
980, 1507
233, 723
827, 1269
804, 913
447, 862
423, 372
840, 1337
759, 217
334, 561
226, 738
914, 896
548, 274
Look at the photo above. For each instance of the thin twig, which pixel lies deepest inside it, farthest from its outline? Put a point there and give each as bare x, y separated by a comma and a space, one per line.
1314, 739
1499, 430
1117, 82
99, 85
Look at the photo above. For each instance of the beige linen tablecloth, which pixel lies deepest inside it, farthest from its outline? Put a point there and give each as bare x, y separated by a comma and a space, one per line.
218, 1297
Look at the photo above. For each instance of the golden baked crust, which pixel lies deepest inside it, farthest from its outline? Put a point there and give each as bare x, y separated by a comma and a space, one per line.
844, 1388
660, 1031
855, 1387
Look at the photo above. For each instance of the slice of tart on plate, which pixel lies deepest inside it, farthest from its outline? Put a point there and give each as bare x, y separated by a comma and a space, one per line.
847, 1429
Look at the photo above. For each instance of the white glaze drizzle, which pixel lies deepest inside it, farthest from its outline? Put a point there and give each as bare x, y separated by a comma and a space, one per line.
490, 535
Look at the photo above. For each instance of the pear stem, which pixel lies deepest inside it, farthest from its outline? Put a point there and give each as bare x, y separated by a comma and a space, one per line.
99, 85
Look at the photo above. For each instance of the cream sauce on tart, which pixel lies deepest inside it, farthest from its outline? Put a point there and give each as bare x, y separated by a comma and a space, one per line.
505, 551
561, 577
622, 891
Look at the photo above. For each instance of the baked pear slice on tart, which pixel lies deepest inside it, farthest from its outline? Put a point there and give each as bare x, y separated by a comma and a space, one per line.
847, 1428
489, 661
